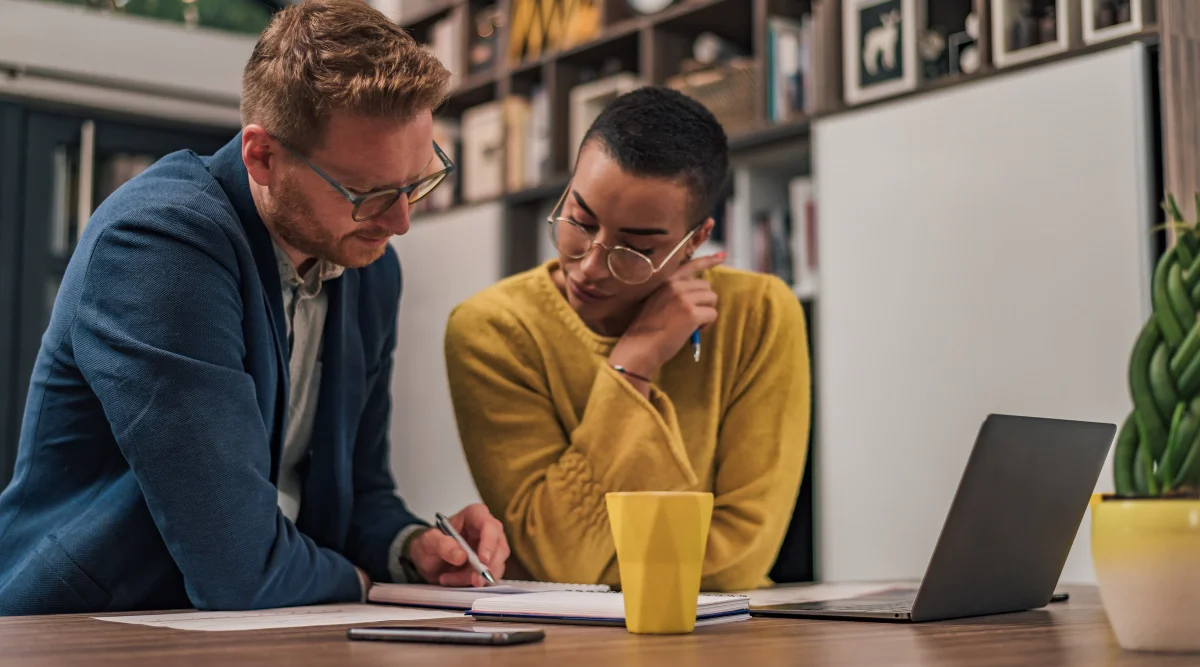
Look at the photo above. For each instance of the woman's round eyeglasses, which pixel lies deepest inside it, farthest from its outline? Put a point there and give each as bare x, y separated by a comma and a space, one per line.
626, 264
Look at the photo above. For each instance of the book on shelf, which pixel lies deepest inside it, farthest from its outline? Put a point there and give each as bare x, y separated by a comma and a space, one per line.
802, 200
517, 141
790, 72
445, 43
537, 162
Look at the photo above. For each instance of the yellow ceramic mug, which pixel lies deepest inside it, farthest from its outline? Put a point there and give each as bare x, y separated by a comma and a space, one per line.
660, 539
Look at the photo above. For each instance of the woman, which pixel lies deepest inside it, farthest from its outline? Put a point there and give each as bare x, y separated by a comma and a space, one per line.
580, 377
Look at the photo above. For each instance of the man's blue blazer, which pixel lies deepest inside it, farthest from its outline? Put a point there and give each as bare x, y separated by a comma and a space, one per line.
150, 446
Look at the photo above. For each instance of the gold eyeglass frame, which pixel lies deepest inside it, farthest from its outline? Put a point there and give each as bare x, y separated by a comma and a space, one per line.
554, 219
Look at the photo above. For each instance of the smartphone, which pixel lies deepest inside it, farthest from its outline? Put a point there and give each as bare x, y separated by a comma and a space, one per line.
434, 635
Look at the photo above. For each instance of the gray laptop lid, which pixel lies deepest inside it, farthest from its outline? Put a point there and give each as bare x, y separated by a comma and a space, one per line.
1015, 514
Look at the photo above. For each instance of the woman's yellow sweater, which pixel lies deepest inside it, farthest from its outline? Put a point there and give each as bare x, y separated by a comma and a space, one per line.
548, 427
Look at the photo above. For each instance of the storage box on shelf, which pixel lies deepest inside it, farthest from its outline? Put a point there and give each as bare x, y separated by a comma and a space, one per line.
589, 99
727, 90
1025, 30
1108, 19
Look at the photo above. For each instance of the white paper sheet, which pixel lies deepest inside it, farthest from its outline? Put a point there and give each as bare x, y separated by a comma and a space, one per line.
288, 617
822, 592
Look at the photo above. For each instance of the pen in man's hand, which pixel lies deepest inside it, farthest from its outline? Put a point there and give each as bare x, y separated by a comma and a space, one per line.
443, 525
696, 345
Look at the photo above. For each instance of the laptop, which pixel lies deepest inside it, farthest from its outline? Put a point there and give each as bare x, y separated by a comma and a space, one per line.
1006, 538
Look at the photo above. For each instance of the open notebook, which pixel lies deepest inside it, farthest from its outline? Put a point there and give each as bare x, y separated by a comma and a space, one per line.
439, 597
593, 608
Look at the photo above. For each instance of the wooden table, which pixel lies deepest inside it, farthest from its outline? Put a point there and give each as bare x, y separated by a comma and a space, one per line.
1069, 633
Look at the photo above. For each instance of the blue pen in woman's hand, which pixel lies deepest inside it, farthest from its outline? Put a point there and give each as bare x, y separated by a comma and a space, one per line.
696, 345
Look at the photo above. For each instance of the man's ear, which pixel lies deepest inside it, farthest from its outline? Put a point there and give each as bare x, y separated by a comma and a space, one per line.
258, 154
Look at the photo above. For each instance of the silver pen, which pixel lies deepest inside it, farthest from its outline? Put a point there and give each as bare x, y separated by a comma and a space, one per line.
443, 525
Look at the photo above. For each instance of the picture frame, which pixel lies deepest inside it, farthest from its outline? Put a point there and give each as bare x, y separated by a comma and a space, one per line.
1141, 14
879, 48
1013, 23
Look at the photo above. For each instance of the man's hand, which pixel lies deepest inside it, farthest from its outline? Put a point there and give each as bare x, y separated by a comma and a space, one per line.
440, 560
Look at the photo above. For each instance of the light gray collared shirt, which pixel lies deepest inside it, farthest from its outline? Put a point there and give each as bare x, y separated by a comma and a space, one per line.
305, 305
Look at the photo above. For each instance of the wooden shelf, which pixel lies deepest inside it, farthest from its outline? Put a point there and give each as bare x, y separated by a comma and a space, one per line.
475, 89
420, 21
769, 135
952, 81
553, 187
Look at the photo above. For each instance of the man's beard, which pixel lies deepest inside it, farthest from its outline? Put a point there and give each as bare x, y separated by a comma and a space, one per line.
292, 220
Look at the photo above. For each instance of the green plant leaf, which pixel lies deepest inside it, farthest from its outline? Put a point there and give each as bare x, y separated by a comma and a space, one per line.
1169, 460
1146, 466
1172, 330
1123, 457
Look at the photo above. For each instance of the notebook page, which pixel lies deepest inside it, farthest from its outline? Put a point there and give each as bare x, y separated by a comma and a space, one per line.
287, 617
461, 598
609, 605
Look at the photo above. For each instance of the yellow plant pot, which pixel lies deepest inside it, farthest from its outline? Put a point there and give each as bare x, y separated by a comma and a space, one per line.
1147, 558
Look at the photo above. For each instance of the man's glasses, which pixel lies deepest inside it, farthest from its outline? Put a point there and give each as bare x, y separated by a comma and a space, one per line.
626, 264
375, 203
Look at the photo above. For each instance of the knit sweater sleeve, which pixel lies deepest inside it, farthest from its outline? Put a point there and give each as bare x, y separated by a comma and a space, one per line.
548, 483
762, 443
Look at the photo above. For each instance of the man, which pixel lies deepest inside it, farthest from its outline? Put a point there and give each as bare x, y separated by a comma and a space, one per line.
208, 414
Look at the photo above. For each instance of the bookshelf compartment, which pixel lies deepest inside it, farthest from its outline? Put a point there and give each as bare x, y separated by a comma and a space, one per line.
476, 90
1108, 19
1026, 30
949, 40
538, 29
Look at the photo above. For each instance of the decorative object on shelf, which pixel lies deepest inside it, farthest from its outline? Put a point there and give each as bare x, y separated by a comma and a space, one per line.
935, 58
711, 49
965, 57
1146, 535
880, 48
589, 99
1108, 19
537, 27
484, 40
727, 90
447, 134
649, 6
1025, 30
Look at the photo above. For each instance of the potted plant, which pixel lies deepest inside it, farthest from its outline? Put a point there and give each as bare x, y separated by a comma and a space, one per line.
1146, 535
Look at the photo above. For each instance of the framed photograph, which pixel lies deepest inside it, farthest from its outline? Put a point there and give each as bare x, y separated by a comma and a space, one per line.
1024, 30
1107, 19
880, 48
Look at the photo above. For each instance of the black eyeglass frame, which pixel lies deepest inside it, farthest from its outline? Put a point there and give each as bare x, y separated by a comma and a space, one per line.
357, 200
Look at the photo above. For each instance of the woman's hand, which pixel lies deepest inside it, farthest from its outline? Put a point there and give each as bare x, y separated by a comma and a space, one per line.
683, 304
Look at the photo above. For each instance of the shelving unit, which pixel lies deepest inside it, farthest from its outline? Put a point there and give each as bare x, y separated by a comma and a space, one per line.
658, 47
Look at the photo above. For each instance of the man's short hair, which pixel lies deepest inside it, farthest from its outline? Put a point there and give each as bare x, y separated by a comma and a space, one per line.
322, 56
660, 132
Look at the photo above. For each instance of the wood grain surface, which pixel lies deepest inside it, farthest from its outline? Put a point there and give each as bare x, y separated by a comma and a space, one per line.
1063, 634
